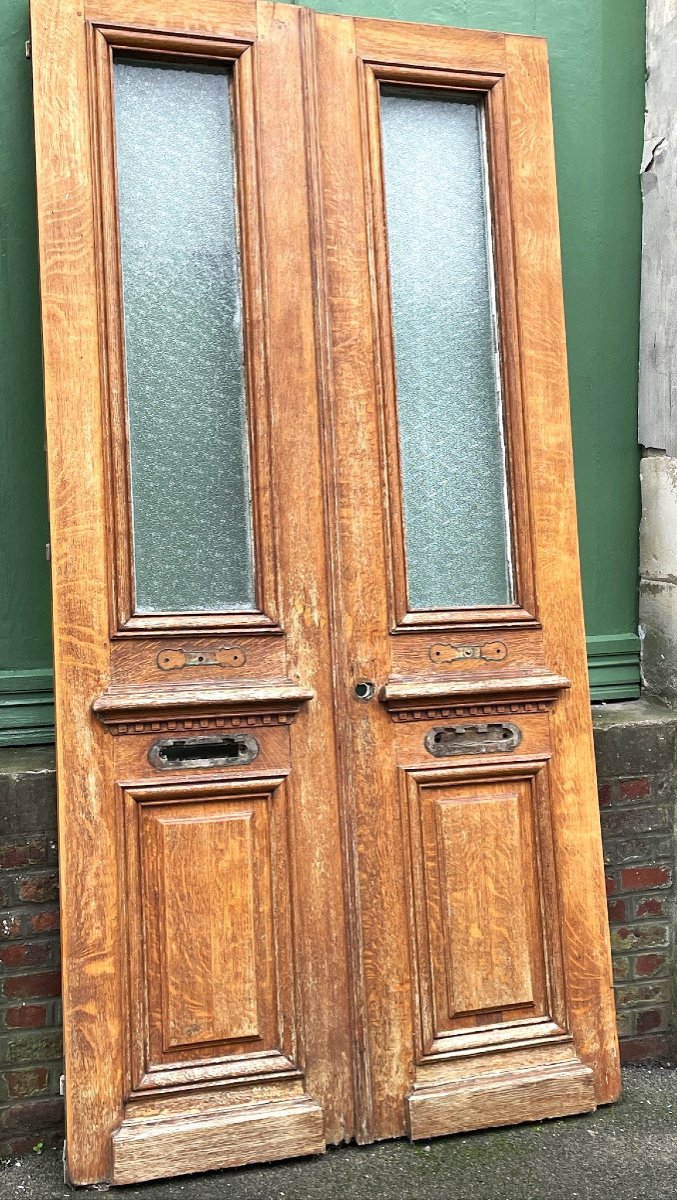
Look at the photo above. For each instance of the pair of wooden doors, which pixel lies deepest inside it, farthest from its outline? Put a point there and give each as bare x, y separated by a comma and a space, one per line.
330, 855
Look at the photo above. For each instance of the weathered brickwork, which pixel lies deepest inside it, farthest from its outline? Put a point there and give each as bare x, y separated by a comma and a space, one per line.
636, 761
31, 1110
635, 746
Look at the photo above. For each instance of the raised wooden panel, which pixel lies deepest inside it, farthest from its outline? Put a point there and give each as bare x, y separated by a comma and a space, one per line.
206, 885
485, 878
483, 903
209, 936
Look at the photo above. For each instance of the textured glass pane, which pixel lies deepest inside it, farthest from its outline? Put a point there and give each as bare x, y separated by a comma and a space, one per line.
451, 442
183, 339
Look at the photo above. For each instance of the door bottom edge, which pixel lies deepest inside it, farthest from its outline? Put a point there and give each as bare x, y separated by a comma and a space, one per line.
231, 1137
501, 1098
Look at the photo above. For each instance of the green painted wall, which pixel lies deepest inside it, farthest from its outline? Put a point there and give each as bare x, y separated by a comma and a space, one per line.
25, 646
597, 65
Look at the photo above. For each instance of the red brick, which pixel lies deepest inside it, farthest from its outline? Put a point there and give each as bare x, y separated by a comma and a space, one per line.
22, 854
46, 984
24, 954
636, 879
44, 922
638, 1049
28, 1016
36, 1114
617, 910
610, 885
649, 1020
38, 889
649, 964
26, 1083
604, 792
635, 789
650, 906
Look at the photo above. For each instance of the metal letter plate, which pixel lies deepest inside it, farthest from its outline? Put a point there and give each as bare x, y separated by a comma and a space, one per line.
495, 738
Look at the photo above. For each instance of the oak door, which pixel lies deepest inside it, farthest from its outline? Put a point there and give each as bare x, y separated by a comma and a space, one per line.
329, 852
481, 965
205, 960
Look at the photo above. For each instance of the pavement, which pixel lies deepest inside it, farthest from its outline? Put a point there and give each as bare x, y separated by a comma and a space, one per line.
627, 1150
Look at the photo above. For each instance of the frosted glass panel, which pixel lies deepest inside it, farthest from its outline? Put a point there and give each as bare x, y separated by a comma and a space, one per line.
183, 339
448, 392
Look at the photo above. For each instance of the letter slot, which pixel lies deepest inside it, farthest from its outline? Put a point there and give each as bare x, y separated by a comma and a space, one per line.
235, 750
496, 738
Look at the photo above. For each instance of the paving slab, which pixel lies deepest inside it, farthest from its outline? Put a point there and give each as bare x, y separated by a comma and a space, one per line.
628, 1149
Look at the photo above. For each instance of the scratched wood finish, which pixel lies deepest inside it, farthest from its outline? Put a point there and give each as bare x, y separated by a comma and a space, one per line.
346, 937
506, 1099
203, 1143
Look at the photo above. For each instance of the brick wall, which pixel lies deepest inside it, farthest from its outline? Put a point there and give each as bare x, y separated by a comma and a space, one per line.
635, 749
30, 1007
635, 746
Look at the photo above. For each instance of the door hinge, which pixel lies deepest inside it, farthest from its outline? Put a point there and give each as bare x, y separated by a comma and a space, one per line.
48, 551
28, 48
62, 1085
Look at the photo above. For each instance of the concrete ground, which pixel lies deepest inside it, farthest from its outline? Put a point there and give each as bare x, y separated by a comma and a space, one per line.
627, 1150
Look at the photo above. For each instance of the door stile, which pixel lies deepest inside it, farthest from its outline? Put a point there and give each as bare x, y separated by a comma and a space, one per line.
305, 570
585, 928
373, 823
92, 960
340, 661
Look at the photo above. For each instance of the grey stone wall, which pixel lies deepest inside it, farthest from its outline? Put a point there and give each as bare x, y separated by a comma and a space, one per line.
658, 358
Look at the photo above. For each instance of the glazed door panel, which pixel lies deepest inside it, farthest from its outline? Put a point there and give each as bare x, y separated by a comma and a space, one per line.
330, 857
482, 974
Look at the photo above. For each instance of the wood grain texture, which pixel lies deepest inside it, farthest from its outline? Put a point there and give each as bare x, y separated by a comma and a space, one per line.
151, 1150
578, 845
87, 819
483, 908
502, 1099
210, 955
484, 886
207, 876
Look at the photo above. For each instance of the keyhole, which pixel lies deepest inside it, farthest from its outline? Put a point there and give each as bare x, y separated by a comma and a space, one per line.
364, 689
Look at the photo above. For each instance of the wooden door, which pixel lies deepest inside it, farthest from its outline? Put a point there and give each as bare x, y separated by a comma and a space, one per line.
481, 967
206, 990
330, 857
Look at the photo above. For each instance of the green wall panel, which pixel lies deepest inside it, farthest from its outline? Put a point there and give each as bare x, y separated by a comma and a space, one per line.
25, 648
597, 67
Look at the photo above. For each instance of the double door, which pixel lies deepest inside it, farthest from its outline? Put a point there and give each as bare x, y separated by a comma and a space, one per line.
330, 856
